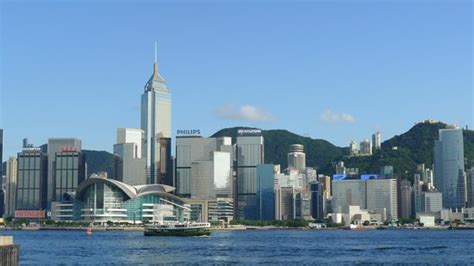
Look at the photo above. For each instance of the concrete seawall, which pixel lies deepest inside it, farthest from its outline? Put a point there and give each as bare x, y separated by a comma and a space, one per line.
9, 253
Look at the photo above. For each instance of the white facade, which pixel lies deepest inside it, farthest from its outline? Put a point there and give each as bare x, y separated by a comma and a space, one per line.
365, 147
432, 201
132, 135
203, 166
378, 195
297, 158
382, 197
377, 140
213, 177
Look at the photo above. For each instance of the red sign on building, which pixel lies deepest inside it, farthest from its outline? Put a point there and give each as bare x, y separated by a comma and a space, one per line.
68, 148
30, 214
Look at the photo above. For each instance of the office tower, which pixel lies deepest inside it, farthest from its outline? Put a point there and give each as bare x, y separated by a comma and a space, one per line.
379, 195
212, 178
31, 192
406, 199
317, 200
377, 140
326, 183
382, 197
470, 188
432, 202
353, 148
155, 121
56, 145
69, 171
297, 158
386, 171
265, 192
206, 160
249, 153
285, 203
418, 193
2, 205
347, 193
449, 176
311, 174
365, 147
129, 162
11, 178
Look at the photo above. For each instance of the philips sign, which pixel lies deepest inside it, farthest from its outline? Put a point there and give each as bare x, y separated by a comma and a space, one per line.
188, 132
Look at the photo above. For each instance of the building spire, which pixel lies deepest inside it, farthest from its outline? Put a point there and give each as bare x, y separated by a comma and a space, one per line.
155, 65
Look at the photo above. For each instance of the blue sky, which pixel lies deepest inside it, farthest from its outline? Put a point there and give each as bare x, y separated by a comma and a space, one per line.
336, 70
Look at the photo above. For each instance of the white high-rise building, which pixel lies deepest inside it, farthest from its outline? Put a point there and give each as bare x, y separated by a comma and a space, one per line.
204, 167
155, 121
353, 148
365, 147
377, 140
129, 162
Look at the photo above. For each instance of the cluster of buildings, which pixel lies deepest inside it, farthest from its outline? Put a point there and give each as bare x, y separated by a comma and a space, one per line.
366, 147
218, 179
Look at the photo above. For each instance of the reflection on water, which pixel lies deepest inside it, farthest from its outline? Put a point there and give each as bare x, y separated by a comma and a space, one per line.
254, 246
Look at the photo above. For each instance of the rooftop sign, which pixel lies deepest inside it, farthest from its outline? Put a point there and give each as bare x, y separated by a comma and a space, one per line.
249, 132
188, 132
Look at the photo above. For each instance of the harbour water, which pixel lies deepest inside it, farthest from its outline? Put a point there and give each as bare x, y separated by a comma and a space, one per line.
248, 247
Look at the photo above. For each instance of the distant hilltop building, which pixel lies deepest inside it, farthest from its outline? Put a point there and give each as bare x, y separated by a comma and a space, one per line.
377, 140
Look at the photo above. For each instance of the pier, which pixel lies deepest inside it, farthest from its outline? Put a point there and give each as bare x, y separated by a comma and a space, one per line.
9, 252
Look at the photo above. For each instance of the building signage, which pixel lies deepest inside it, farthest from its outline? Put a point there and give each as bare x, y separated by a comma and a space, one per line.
188, 132
338, 177
69, 148
370, 176
249, 132
30, 214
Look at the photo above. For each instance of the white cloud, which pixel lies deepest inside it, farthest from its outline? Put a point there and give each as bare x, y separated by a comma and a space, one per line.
330, 116
244, 113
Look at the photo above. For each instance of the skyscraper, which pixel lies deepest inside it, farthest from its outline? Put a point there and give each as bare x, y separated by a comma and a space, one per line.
69, 171
129, 161
377, 140
249, 154
365, 147
1, 174
449, 176
56, 145
265, 192
155, 121
31, 180
10, 195
297, 158
203, 166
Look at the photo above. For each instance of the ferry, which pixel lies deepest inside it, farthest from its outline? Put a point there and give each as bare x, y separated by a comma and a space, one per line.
178, 229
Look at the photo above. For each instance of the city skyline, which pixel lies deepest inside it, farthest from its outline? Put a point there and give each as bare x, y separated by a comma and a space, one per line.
251, 90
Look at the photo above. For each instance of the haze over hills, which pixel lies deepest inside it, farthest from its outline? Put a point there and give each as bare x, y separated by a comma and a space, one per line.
412, 147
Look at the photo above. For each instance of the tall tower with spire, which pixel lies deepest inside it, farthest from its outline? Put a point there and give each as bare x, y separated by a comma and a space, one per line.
156, 123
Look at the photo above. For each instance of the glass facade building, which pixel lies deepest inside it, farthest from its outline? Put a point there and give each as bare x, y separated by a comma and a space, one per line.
155, 122
102, 200
265, 192
31, 190
249, 154
449, 175
69, 172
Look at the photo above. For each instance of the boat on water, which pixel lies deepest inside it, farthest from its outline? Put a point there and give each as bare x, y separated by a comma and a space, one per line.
178, 229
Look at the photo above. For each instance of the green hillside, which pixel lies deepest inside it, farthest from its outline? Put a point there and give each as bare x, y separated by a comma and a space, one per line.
412, 147
98, 161
277, 142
